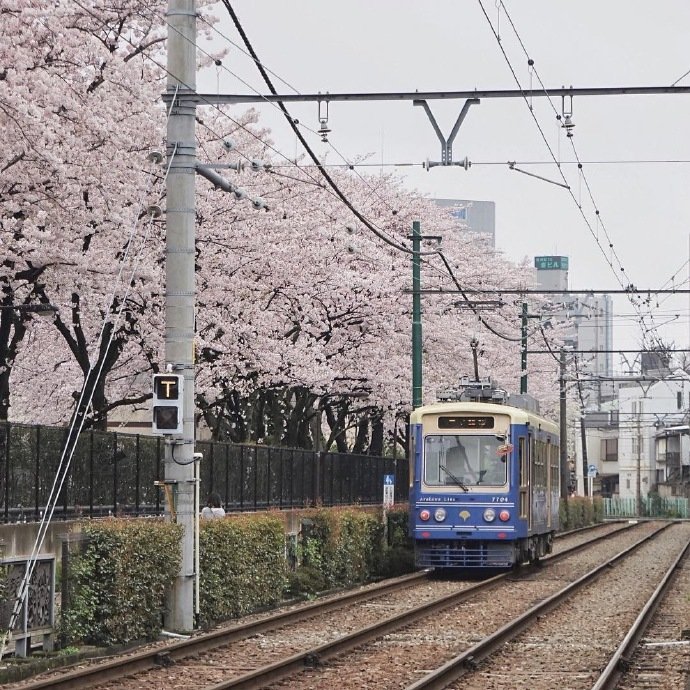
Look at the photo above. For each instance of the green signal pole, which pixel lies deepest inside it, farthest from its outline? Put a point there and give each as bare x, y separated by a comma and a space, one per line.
523, 351
416, 316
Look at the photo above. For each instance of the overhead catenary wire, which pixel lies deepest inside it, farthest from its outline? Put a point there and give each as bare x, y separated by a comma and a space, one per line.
572, 143
347, 163
304, 143
318, 164
369, 224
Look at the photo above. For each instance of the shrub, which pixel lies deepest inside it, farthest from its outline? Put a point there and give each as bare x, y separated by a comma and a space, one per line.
242, 565
119, 581
345, 546
580, 511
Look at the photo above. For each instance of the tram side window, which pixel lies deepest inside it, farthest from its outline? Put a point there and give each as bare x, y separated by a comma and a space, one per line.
555, 467
539, 464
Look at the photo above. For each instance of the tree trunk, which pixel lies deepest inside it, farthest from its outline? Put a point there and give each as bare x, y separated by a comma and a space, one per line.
337, 426
362, 436
376, 441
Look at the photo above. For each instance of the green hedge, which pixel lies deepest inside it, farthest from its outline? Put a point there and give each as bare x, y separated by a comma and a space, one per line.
342, 545
580, 511
119, 581
242, 565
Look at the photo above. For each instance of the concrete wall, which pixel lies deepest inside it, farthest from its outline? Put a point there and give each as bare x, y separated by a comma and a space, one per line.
17, 540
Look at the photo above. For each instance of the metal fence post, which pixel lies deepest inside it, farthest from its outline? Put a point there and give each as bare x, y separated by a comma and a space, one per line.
115, 475
137, 476
91, 473
37, 476
7, 472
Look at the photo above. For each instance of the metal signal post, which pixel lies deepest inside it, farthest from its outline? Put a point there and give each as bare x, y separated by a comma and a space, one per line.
416, 317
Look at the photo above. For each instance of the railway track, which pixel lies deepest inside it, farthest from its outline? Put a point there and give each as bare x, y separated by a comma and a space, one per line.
566, 650
436, 596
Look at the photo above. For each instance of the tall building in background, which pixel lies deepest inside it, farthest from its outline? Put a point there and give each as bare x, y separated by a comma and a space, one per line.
592, 326
476, 216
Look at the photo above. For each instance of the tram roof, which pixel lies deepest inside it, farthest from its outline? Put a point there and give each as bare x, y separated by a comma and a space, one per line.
518, 415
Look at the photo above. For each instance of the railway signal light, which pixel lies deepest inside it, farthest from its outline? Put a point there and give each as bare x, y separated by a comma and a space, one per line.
167, 404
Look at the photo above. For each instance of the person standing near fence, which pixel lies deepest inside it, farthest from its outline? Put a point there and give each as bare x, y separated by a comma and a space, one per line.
213, 507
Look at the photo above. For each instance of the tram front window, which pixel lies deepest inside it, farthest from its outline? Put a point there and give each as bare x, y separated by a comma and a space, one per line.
465, 460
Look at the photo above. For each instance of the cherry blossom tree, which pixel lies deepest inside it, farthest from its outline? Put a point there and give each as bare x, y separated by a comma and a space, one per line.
303, 315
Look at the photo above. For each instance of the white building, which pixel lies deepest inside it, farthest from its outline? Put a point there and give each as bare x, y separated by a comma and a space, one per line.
591, 333
645, 446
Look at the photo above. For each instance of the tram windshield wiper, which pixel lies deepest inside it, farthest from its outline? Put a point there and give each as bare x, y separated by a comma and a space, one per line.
455, 479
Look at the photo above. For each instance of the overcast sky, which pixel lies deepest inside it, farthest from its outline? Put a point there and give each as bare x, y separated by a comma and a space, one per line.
391, 45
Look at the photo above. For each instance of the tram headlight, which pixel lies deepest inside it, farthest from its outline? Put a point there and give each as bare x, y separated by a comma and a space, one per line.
489, 514
504, 516
424, 515
440, 514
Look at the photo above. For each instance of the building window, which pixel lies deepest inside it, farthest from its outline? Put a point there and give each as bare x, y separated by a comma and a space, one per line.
679, 400
609, 449
627, 483
635, 446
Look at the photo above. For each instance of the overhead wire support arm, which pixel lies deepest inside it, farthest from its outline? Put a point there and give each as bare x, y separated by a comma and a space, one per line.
447, 144
220, 99
535, 291
511, 165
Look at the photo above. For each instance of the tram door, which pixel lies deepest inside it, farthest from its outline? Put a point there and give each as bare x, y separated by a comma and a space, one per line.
524, 464
549, 483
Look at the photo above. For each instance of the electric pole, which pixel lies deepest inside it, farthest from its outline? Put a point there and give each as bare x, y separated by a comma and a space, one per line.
416, 317
179, 292
523, 350
564, 429
638, 492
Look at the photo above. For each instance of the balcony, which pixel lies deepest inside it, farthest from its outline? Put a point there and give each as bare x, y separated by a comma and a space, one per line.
671, 458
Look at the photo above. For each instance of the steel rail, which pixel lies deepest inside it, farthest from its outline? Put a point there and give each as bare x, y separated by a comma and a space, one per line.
468, 661
163, 656
89, 676
620, 661
281, 669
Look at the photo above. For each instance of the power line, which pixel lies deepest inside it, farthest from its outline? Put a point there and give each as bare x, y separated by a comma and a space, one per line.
169, 97
612, 352
536, 291
347, 164
410, 164
306, 146
563, 92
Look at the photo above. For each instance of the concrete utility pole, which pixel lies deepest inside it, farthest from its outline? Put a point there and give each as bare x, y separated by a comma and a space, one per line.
638, 490
523, 350
179, 292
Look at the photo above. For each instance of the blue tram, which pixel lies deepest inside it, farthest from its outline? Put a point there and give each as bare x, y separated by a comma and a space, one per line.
485, 483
